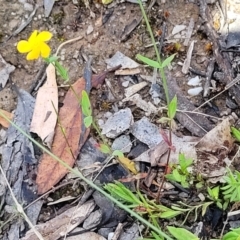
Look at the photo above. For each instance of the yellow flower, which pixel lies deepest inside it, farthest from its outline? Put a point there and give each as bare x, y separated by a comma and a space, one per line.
35, 45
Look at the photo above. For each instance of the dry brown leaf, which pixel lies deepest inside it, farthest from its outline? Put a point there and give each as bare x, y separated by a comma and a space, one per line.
50, 171
4, 122
46, 108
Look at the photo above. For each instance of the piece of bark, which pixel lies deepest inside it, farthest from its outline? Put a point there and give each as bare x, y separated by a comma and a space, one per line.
17, 161
187, 61
207, 84
62, 224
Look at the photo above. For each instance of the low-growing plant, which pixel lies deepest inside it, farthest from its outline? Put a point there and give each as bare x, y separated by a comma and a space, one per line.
181, 171
231, 190
213, 194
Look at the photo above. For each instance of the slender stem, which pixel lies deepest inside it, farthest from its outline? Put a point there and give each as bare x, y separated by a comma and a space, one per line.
162, 73
19, 207
90, 183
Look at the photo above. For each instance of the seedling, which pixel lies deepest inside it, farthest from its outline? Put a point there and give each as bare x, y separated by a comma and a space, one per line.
213, 194
181, 172
231, 190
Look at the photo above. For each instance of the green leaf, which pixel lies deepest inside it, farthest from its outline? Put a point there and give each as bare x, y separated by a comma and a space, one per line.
123, 193
167, 61
199, 185
170, 214
104, 148
51, 59
172, 108
88, 121
163, 120
236, 133
118, 153
177, 175
183, 162
215, 192
231, 236
157, 237
148, 61
205, 206
219, 204
182, 234
86, 105
61, 70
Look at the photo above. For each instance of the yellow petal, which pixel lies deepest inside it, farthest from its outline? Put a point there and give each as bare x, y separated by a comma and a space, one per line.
33, 38
34, 54
44, 36
23, 46
45, 50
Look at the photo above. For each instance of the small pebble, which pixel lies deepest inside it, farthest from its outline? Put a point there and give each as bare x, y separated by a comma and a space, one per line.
183, 195
195, 91
89, 29
110, 235
125, 84
201, 197
194, 81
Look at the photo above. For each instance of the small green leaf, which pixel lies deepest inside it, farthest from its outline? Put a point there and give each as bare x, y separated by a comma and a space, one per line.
199, 185
157, 237
104, 148
86, 105
219, 204
88, 121
183, 162
205, 206
170, 214
123, 193
177, 176
172, 108
118, 153
163, 120
167, 61
236, 133
182, 234
148, 61
231, 236
51, 59
61, 70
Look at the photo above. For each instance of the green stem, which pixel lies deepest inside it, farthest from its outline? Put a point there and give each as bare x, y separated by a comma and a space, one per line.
90, 183
99, 133
162, 73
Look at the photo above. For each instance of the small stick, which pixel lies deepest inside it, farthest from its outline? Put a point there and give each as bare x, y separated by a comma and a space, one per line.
187, 61
209, 74
117, 232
